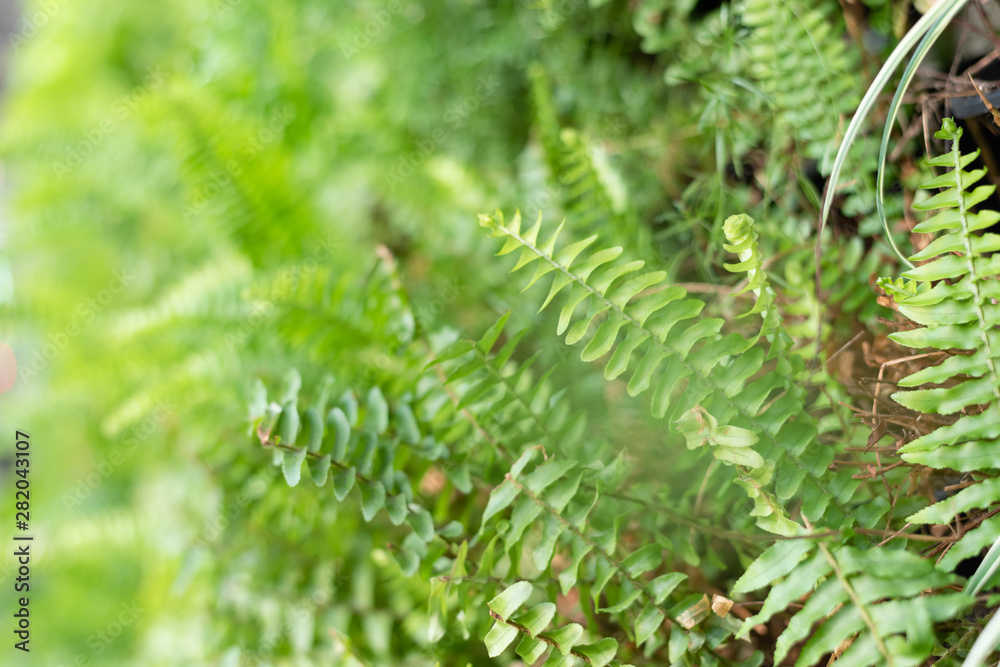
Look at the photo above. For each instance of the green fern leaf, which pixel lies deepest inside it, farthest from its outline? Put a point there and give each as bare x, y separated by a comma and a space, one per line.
961, 313
667, 347
875, 600
809, 92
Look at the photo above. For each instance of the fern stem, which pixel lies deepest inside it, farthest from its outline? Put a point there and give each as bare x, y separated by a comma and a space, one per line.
316, 455
984, 326
894, 534
735, 536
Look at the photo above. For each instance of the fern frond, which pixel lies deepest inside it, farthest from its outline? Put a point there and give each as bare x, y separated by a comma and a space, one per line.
955, 304
873, 601
356, 444
800, 61
665, 344
955, 300
649, 321
531, 625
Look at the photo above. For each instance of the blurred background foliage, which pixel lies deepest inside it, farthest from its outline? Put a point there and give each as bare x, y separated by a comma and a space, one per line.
202, 192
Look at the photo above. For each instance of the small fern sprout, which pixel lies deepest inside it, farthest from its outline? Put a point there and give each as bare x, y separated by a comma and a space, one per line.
742, 237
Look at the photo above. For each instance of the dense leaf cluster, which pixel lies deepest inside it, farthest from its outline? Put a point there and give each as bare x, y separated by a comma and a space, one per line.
374, 450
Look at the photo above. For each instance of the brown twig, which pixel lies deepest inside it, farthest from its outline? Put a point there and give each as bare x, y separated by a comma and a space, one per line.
993, 112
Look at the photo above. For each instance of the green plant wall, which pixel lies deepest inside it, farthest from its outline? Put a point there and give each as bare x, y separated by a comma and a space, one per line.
494, 333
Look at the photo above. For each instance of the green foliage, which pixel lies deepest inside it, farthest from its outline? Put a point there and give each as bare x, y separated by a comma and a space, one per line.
356, 444
530, 625
873, 601
742, 237
732, 446
959, 312
661, 330
804, 67
953, 300
304, 460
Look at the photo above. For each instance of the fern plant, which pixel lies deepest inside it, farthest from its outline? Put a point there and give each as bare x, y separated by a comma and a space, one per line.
809, 99
865, 606
724, 391
665, 348
952, 297
953, 301
688, 488
354, 444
